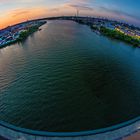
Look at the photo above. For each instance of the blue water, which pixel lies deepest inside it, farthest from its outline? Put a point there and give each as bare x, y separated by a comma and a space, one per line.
67, 78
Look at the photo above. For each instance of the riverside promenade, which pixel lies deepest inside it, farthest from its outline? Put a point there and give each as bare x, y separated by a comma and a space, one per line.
117, 132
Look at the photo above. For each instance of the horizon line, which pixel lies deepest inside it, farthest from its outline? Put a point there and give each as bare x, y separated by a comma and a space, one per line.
45, 18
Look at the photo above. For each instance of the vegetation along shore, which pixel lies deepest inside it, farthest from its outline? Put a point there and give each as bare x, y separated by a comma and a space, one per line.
113, 29
19, 32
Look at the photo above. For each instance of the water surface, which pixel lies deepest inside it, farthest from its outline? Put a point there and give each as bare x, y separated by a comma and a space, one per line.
67, 78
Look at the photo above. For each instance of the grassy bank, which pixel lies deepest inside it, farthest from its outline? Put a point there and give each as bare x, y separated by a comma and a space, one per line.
120, 36
23, 35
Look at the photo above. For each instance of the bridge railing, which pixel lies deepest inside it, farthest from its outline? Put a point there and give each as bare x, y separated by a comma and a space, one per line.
115, 132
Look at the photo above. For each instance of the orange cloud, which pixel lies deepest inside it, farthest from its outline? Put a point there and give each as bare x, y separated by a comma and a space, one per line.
19, 15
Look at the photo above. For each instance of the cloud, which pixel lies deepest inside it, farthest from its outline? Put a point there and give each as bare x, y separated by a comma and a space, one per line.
120, 13
55, 9
81, 5
20, 12
70, 7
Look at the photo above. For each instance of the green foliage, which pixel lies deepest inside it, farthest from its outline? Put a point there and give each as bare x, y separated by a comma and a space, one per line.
23, 35
94, 27
80, 21
120, 36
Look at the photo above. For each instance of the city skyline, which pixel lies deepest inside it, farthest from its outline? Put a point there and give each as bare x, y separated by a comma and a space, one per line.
15, 11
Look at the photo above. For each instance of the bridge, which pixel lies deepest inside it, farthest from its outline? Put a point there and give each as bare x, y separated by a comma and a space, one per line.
116, 132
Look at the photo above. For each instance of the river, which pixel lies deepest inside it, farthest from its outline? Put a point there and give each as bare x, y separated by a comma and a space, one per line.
66, 78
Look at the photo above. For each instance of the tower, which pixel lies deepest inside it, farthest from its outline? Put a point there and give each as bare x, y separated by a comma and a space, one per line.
77, 13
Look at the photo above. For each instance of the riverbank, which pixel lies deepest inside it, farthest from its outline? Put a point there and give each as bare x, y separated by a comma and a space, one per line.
114, 32
18, 33
9, 43
112, 29
23, 35
119, 36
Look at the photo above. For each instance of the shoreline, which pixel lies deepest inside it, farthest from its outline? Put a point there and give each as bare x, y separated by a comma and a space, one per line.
23, 34
113, 34
97, 25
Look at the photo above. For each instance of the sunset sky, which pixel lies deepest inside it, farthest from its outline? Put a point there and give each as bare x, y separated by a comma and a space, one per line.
15, 11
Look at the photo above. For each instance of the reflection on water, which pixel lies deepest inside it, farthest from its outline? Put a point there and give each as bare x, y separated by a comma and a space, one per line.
66, 78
